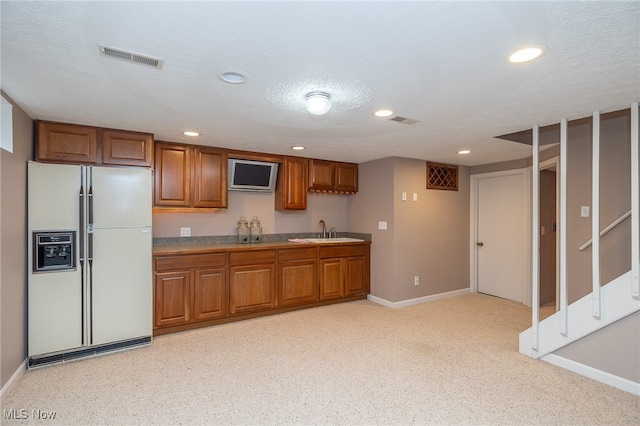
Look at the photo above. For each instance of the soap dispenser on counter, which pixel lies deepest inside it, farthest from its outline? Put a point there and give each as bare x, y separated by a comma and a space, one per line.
256, 230
244, 234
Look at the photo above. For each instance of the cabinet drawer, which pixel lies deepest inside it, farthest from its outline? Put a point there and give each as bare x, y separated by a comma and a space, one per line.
297, 254
344, 251
164, 263
255, 257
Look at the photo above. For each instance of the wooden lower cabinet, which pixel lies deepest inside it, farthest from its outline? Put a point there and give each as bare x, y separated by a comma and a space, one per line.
252, 279
297, 276
344, 271
172, 294
209, 293
190, 288
196, 290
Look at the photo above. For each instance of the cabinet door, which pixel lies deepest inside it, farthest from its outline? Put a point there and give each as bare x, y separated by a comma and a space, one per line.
298, 282
251, 288
356, 276
210, 177
291, 190
321, 175
331, 282
209, 293
69, 143
346, 177
126, 148
172, 298
172, 180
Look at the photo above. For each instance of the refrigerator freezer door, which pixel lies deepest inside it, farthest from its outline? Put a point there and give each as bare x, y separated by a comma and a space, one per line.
121, 288
54, 298
55, 312
121, 197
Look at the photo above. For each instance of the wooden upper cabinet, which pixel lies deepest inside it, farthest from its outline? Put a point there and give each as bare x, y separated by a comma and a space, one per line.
172, 177
59, 142
126, 148
71, 143
322, 175
189, 176
331, 176
346, 177
210, 177
291, 188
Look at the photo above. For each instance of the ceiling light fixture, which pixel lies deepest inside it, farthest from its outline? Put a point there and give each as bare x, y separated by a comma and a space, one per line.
297, 148
464, 152
318, 103
383, 113
190, 133
527, 54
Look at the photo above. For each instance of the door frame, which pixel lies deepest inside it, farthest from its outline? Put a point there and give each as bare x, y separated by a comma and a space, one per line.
473, 228
548, 164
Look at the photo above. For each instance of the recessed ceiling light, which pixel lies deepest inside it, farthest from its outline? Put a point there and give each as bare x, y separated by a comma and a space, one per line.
233, 77
464, 152
383, 113
527, 54
297, 148
190, 133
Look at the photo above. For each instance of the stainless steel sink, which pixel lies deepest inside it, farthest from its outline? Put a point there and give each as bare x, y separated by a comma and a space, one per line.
333, 240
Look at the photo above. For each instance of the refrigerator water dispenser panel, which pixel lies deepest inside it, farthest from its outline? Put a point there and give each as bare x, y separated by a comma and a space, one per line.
54, 251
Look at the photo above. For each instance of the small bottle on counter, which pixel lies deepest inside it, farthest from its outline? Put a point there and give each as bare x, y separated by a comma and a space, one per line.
256, 230
243, 231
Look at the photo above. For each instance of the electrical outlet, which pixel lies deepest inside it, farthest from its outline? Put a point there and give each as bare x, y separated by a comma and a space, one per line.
416, 280
382, 225
185, 232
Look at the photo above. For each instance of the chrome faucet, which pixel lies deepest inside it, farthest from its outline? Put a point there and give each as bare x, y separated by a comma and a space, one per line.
324, 228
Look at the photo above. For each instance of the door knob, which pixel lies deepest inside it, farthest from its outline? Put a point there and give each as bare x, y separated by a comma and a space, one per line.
480, 244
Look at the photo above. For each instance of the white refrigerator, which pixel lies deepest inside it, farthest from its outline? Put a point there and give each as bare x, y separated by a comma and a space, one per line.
94, 294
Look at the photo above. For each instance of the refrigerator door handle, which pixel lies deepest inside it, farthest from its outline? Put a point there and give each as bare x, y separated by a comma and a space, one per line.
81, 231
90, 199
81, 214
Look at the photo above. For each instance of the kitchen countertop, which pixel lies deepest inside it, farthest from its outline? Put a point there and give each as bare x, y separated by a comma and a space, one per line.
177, 247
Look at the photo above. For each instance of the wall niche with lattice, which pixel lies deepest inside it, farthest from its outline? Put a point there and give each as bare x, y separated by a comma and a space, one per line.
442, 176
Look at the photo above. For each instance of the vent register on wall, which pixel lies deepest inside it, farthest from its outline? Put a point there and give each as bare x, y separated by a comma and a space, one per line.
90, 251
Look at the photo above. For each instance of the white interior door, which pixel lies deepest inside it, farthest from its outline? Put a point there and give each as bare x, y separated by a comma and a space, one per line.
502, 219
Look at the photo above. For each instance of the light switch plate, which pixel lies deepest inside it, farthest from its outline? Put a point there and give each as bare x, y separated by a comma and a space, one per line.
382, 225
415, 196
404, 196
584, 211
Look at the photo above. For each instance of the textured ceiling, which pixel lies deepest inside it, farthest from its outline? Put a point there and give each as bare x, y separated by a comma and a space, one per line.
440, 63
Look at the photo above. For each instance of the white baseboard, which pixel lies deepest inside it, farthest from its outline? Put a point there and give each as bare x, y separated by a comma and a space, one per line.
593, 373
13, 381
417, 300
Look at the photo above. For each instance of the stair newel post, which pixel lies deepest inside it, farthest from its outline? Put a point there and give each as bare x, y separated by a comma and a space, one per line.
564, 300
535, 239
635, 205
595, 214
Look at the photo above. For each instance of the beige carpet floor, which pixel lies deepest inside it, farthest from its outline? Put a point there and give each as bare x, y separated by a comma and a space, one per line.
452, 362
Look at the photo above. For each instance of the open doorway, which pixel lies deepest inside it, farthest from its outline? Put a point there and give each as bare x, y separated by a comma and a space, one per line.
549, 274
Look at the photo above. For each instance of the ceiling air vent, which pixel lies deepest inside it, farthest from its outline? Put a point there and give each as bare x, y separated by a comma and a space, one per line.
124, 55
404, 120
